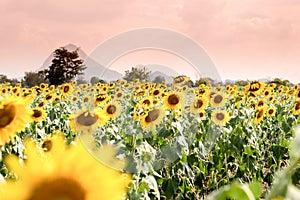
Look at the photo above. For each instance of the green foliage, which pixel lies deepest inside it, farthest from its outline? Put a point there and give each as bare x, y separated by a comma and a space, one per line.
32, 79
4, 79
140, 72
158, 79
65, 67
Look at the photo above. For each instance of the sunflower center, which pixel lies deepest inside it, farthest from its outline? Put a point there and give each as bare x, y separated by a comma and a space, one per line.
37, 113
152, 115
86, 119
173, 99
156, 92
198, 104
146, 101
271, 111
119, 95
66, 89
297, 107
218, 99
47, 145
7, 115
260, 103
201, 114
220, 116
111, 109
48, 97
60, 188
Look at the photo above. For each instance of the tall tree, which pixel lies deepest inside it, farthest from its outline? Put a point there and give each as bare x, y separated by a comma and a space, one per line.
139, 72
65, 67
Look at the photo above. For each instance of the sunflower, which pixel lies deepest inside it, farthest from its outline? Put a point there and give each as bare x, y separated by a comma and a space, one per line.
101, 99
271, 111
87, 120
59, 175
297, 94
147, 101
259, 115
220, 117
260, 103
296, 109
217, 100
112, 110
152, 118
198, 105
254, 87
67, 89
174, 101
38, 114
201, 115
156, 92
14, 116
119, 95
42, 104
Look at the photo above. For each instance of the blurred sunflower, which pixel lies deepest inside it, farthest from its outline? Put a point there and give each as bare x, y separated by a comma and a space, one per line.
68, 172
174, 101
38, 114
152, 118
198, 105
259, 115
220, 117
296, 108
87, 120
297, 94
14, 116
112, 110
217, 100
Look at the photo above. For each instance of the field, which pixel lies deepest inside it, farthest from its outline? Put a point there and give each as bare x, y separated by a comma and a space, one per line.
141, 140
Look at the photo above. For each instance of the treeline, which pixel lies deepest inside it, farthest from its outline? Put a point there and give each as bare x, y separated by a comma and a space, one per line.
68, 66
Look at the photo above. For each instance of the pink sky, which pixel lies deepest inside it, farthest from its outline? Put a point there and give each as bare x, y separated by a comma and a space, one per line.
247, 39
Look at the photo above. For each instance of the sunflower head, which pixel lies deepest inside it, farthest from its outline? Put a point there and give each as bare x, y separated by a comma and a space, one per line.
14, 116
217, 100
174, 101
220, 117
152, 118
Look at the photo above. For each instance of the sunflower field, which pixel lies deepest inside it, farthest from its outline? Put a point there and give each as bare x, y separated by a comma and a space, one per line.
142, 140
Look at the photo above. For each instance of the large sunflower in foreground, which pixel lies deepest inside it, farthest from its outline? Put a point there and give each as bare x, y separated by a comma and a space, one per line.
65, 173
14, 116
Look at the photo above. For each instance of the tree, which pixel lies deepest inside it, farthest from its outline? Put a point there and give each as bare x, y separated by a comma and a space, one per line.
159, 79
32, 79
139, 72
65, 67
94, 80
4, 79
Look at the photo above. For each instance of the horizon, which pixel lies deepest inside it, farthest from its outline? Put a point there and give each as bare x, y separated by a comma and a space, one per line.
247, 40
